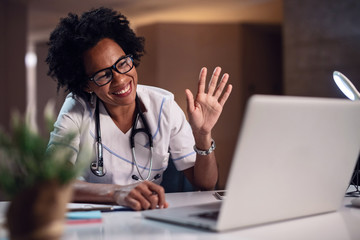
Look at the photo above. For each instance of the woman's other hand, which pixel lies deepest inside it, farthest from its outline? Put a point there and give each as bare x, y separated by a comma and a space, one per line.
141, 196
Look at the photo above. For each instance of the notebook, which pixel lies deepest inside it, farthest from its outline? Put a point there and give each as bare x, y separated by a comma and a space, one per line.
294, 157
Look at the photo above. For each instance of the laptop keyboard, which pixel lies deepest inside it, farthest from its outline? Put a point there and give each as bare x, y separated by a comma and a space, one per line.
209, 215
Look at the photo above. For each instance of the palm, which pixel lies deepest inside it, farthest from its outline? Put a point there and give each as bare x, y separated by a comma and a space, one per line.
205, 109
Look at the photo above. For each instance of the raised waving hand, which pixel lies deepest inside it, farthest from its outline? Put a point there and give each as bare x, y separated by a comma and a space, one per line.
205, 109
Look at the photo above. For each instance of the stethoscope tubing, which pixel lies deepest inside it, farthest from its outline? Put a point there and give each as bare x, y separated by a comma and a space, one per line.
137, 167
98, 168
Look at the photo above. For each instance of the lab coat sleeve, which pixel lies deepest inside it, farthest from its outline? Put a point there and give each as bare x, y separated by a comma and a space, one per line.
70, 120
181, 139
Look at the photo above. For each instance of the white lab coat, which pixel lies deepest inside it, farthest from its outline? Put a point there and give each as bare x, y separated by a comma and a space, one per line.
172, 137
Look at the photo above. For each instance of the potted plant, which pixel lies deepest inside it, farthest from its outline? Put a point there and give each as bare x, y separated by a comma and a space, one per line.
37, 180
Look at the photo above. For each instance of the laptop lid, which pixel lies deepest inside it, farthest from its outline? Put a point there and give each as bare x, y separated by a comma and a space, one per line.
294, 157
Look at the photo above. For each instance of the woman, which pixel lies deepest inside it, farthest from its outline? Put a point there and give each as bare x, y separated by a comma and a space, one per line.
95, 58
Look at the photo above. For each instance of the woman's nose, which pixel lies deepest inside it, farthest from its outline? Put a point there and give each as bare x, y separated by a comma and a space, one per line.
118, 77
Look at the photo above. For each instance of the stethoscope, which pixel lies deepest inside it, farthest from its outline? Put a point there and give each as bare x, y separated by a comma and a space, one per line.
97, 166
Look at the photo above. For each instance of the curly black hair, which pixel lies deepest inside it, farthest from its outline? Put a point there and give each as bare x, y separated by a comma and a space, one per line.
75, 35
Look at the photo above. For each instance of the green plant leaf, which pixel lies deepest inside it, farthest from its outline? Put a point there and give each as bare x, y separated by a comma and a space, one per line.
25, 160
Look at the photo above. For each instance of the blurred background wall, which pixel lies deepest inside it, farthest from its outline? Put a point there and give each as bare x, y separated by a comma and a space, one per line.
13, 42
320, 37
267, 46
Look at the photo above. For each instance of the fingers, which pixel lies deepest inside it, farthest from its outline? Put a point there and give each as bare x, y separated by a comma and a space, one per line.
222, 99
213, 80
146, 195
159, 193
202, 80
226, 95
221, 86
214, 89
189, 100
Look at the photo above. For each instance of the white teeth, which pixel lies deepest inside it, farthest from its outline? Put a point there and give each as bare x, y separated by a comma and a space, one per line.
124, 90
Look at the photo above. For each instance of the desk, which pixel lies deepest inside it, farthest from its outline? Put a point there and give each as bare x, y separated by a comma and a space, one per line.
344, 224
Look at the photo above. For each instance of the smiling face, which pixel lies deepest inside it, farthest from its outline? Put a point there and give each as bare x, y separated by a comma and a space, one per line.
121, 90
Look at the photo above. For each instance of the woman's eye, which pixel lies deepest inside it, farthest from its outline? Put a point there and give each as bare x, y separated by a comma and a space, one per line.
107, 74
103, 75
122, 64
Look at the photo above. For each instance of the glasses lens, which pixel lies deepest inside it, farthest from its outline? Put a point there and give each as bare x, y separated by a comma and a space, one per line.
103, 77
124, 65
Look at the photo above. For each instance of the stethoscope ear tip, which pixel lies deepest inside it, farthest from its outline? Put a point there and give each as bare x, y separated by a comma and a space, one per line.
136, 178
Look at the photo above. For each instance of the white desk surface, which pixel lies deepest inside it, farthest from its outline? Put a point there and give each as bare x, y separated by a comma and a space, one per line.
343, 224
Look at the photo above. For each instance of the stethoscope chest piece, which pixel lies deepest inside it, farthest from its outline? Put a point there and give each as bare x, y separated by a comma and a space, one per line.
97, 167
97, 170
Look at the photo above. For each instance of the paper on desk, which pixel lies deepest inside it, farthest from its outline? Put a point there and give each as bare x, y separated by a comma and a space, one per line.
91, 207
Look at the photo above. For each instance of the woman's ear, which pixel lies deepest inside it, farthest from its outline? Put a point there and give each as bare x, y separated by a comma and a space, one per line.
88, 90
91, 96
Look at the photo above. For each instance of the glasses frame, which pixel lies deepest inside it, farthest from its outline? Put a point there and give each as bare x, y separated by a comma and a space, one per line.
113, 67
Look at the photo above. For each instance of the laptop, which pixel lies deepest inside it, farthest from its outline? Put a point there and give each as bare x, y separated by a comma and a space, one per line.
294, 157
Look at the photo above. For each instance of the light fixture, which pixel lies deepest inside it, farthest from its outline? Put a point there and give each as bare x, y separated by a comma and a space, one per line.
350, 91
30, 59
346, 86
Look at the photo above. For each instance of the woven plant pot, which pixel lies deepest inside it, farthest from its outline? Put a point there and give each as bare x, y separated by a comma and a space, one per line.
39, 212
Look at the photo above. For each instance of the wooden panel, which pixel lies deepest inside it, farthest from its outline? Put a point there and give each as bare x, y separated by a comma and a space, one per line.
13, 16
176, 53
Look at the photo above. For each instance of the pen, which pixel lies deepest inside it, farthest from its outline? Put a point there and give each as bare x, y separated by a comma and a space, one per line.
99, 208
91, 208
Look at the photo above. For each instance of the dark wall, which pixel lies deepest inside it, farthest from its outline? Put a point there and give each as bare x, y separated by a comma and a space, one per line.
13, 17
46, 88
319, 37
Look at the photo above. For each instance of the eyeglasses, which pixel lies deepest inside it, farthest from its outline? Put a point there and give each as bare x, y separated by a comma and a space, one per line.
104, 76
